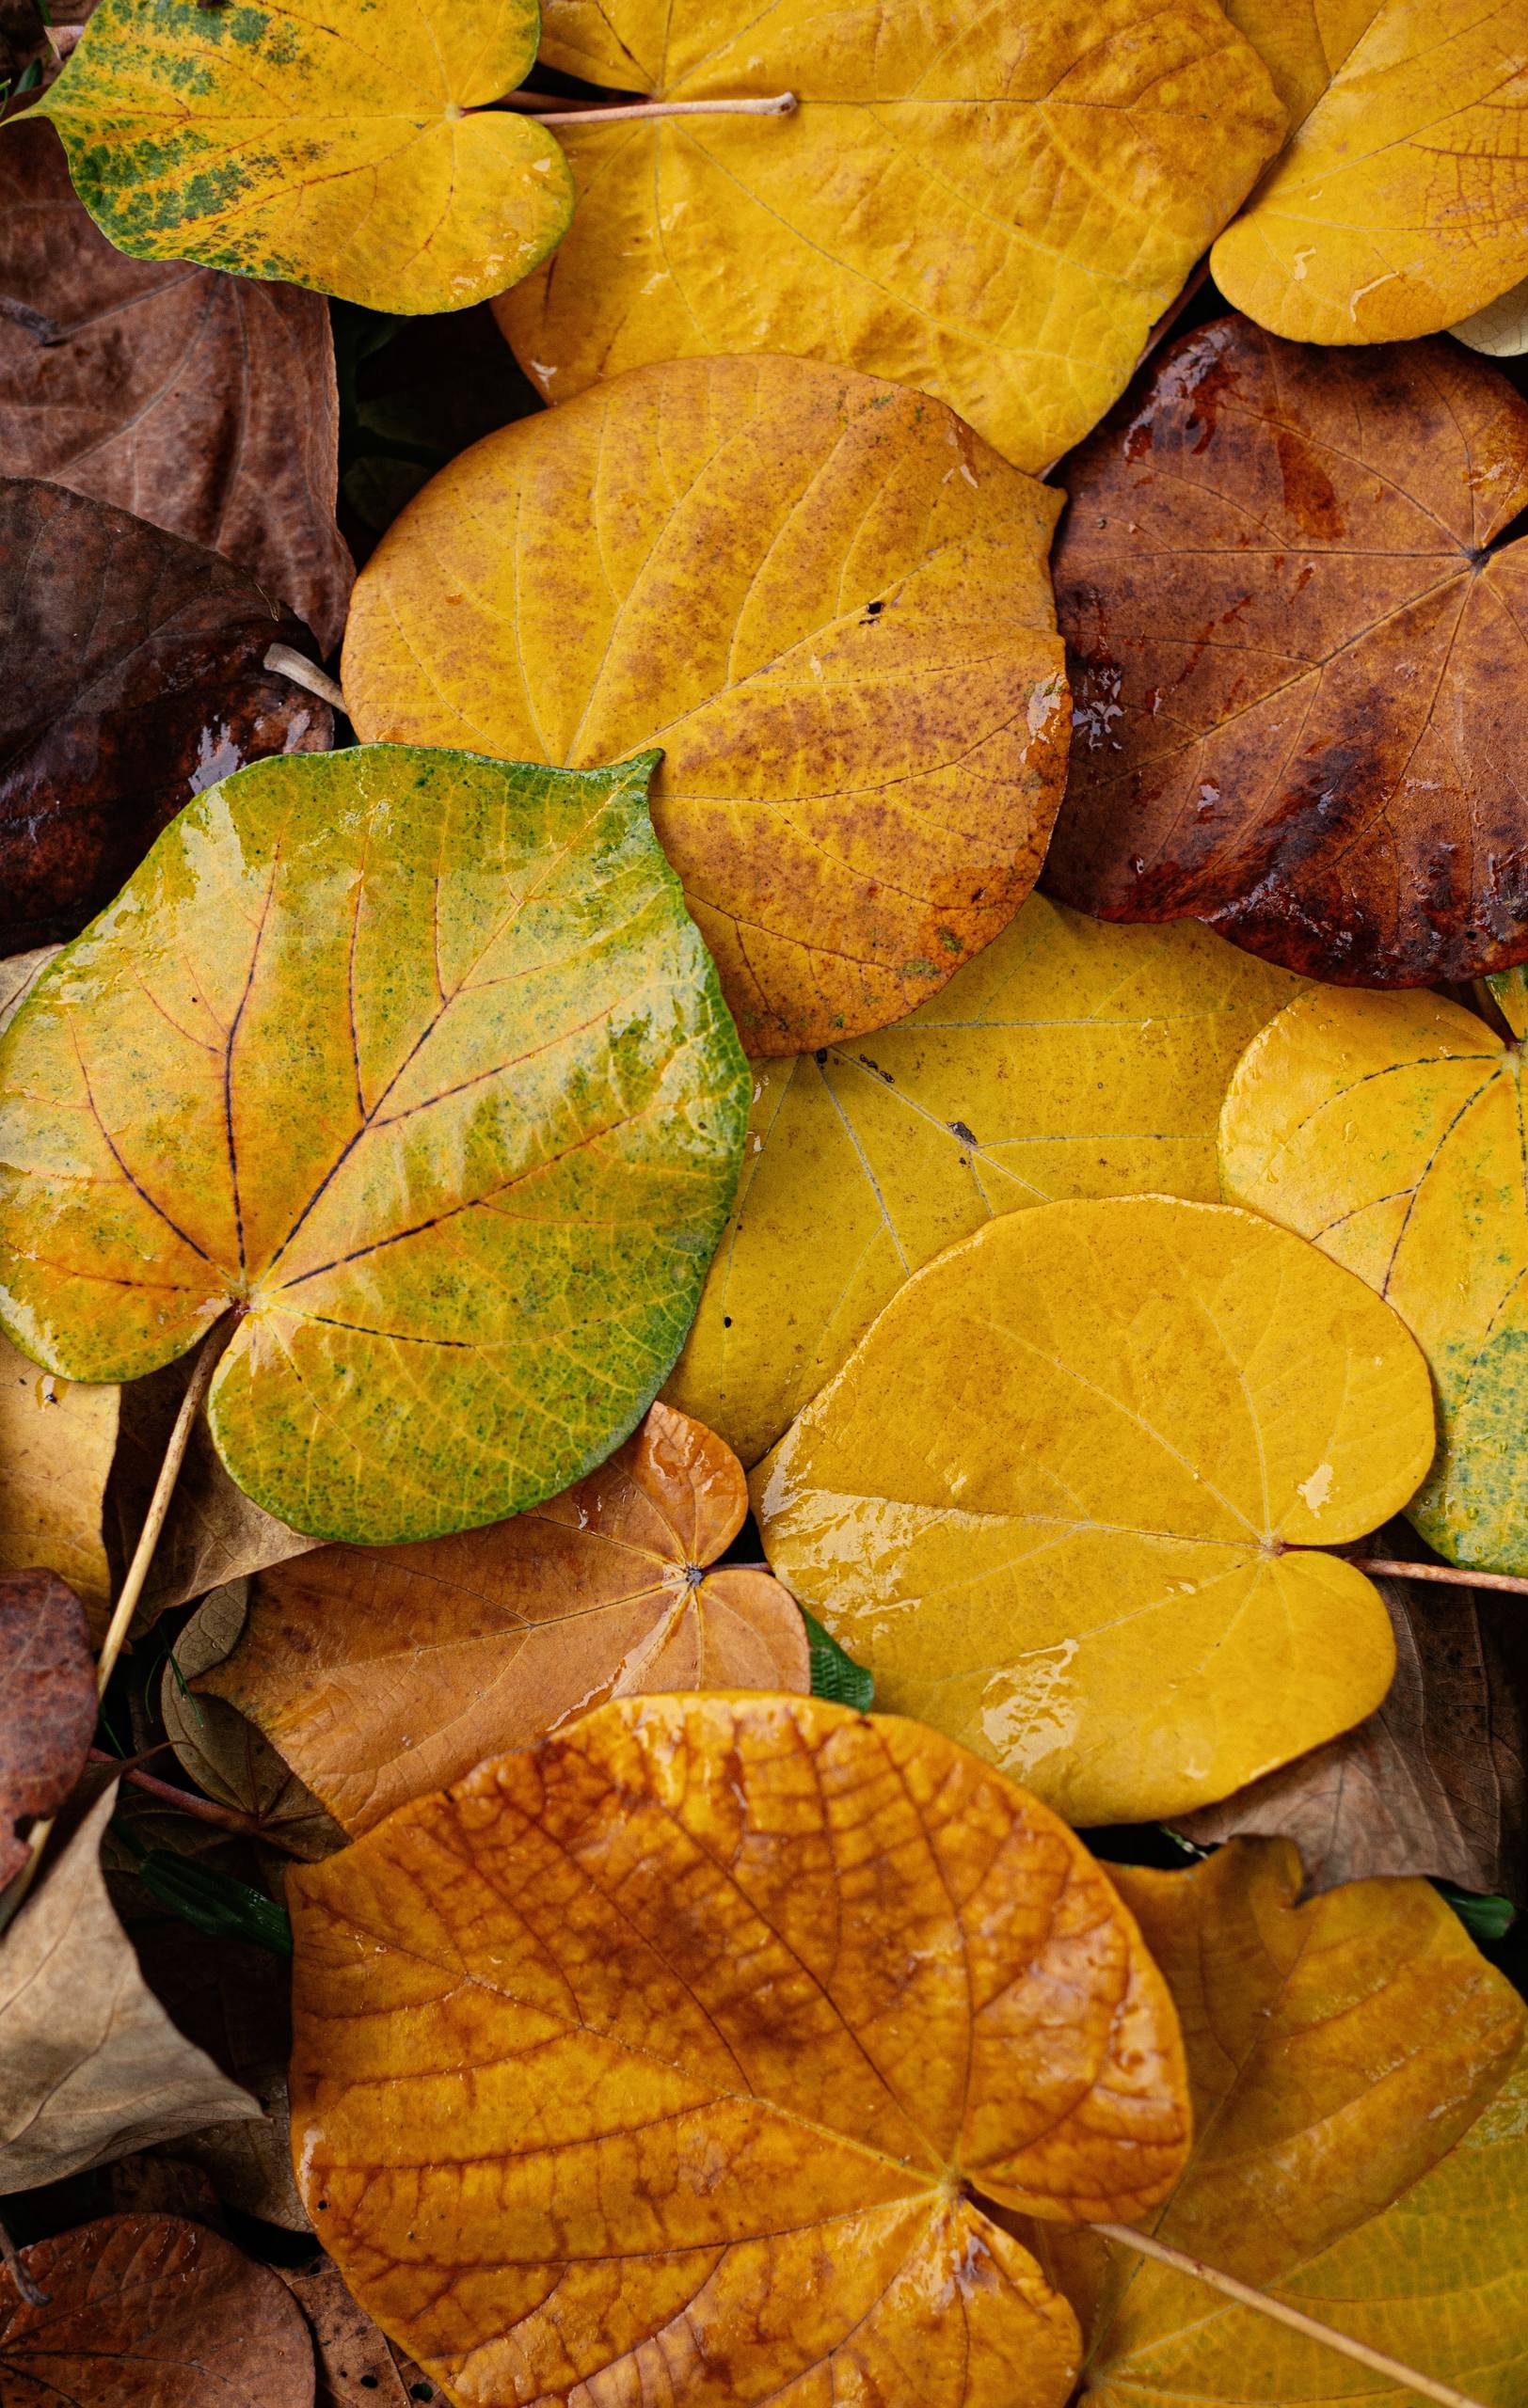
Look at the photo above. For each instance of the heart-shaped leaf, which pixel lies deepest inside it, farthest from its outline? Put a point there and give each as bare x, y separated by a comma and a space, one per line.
416, 1062
383, 1674
863, 719
1065, 1498
1388, 1130
349, 147
1298, 662
995, 206
47, 1681
676, 2043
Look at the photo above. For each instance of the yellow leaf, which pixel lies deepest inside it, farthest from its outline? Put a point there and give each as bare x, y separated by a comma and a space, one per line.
1501, 329
993, 204
824, 599
382, 1673
57, 1444
1063, 1499
1070, 1059
347, 145
1400, 204
655, 2062
1388, 1130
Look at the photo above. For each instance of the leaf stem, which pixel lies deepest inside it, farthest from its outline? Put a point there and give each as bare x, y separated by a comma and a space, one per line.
778, 105
205, 1810
1381, 1567
169, 1471
304, 671
1125, 2236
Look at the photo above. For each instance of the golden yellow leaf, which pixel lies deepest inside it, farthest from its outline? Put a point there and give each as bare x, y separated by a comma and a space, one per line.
1361, 2145
993, 205
654, 2063
1501, 328
383, 1672
342, 144
1070, 1059
1388, 1130
823, 597
56, 1442
1066, 1497
1400, 203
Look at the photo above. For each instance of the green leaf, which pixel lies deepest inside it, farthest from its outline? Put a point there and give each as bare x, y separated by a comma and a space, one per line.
835, 1674
215, 1902
1483, 1918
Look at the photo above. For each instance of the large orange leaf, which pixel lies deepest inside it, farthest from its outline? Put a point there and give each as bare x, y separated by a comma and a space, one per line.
656, 2060
380, 1673
1300, 657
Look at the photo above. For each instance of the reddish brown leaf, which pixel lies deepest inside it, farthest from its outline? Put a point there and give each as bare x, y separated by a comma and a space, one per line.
203, 402
47, 1703
356, 2367
151, 2312
1299, 669
131, 678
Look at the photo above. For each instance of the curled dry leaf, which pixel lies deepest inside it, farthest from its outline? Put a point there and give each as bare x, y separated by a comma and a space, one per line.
151, 2312
1436, 1780
224, 1754
1299, 657
91, 2065
131, 675
1068, 1059
203, 402
418, 1061
864, 724
1501, 329
993, 207
352, 149
1400, 201
651, 2054
382, 1673
1066, 1499
57, 1444
47, 1683
1388, 1130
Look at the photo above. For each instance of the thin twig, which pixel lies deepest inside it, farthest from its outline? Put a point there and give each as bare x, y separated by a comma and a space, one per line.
32, 2292
1380, 1567
304, 671
205, 1810
781, 105
1378, 2362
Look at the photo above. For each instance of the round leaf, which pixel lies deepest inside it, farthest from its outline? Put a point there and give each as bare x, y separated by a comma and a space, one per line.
418, 1063
346, 145
995, 206
1388, 1129
673, 2043
1063, 1499
1298, 664
1068, 1059
826, 601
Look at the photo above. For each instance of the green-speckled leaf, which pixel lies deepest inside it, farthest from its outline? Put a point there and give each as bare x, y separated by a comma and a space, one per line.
1390, 1130
343, 144
415, 1059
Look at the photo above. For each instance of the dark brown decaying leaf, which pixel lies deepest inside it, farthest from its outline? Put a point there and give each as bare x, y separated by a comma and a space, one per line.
131, 678
356, 2367
205, 403
1436, 1782
151, 2312
47, 1703
1299, 670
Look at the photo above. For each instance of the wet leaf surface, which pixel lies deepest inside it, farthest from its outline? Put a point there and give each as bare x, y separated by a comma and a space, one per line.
47, 1682
1299, 657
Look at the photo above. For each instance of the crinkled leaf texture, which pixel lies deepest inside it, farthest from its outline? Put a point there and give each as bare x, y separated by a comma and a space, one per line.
347, 145
993, 204
1299, 657
1388, 1130
1066, 1499
1400, 202
659, 2057
418, 1062
381, 1674
825, 600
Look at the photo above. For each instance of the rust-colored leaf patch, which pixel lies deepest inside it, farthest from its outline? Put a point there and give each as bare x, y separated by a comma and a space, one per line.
47, 1703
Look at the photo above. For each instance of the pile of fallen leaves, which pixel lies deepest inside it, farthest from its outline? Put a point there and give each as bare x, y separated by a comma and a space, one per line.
763, 976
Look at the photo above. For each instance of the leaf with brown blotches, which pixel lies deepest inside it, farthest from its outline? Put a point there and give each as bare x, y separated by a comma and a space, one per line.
1298, 658
381, 1672
151, 2312
356, 2367
203, 402
131, 677
692, 2040
47, 1703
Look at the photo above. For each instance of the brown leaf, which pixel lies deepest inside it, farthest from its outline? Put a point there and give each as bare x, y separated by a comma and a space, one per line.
1299, 665
131, 678
1436, 1782
151, 2312
356, 2367
224, 1754
157, 2183
204, 403
56, 1442
91, 2065
47, 1683
382, 1673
